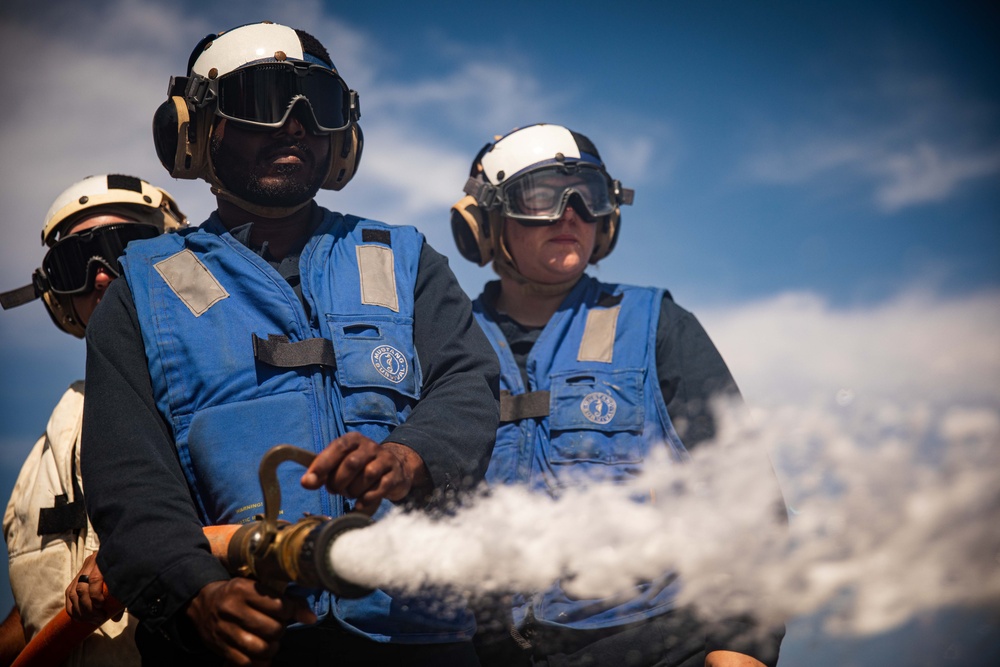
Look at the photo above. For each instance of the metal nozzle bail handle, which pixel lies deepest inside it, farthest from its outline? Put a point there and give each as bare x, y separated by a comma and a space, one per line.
277, 553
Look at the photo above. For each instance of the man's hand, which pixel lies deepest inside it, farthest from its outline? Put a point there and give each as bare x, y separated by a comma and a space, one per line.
240, 622
358, 467
731, 659
86, 597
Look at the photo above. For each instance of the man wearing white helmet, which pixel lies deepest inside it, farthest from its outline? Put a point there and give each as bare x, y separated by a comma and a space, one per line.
595, 379
50, 542
276, 321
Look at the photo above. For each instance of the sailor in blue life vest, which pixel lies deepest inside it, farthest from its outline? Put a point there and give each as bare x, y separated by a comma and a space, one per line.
594, 376
276, 321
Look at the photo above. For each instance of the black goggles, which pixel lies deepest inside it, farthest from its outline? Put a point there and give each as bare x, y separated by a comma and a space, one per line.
540, 197
71, 263
264, 95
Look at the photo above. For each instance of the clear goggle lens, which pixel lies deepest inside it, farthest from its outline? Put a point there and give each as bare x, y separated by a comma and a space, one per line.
541, 196
264, 95
70, 262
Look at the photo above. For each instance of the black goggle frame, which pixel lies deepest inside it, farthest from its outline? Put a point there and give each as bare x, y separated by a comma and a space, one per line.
596, 197
70, 265
264, 95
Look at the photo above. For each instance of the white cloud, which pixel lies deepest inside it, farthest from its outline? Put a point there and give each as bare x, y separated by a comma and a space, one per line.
927, 173
85, 107
919, 142
802, 161
631, 160
405, 176
920, 172
482, 96
916, 346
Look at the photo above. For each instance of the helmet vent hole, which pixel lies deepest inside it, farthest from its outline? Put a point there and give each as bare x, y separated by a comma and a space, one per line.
147, 199
280, 56
500, 175
213, 73
84, 199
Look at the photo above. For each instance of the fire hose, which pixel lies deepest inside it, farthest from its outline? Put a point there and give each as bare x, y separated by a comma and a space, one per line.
275, 553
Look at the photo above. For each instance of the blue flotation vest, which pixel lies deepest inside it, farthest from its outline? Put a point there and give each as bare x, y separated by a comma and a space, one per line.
592, 411
238, 365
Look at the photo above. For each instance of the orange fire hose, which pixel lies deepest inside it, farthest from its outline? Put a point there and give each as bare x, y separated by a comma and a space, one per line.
60, 636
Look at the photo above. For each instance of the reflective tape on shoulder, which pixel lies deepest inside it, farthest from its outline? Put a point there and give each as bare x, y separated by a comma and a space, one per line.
191, 281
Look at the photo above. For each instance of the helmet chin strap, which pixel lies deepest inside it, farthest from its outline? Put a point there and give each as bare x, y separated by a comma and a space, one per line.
256, 209
503, 265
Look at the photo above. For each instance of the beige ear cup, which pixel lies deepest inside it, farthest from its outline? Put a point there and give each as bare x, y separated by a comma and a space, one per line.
471, 230
191, 159
61, 311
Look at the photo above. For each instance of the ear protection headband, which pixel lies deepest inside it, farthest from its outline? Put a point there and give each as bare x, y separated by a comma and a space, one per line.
182, 127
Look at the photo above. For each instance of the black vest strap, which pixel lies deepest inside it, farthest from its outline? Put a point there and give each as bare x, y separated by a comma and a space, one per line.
277, 351
515, 407
65, 516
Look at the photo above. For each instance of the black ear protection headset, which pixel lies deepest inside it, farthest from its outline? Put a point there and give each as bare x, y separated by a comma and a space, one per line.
182, 127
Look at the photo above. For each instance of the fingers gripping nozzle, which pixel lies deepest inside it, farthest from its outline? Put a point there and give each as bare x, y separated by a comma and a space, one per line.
277, 553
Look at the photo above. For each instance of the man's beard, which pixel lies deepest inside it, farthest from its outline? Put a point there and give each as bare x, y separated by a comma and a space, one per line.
245, 179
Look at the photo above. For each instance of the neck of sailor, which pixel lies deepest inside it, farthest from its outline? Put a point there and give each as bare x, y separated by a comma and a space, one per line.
281, 234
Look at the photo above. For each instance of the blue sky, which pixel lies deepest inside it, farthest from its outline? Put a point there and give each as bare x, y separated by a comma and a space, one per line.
832, 165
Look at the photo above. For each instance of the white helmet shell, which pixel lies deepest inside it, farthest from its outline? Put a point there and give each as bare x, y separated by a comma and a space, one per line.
255, 43
530, 147
141, 199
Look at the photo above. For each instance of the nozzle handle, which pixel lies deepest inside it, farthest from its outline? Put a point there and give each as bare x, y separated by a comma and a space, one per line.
271, 487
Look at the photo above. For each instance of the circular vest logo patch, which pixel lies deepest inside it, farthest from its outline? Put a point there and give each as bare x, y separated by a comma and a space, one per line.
390, 363
598, 407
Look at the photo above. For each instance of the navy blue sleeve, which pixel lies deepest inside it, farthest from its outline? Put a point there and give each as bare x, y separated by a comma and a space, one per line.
153, 552
453, 426
691, 373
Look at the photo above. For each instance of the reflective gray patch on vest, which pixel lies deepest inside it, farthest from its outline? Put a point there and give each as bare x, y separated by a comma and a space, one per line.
598, 342
378, 276
191, 281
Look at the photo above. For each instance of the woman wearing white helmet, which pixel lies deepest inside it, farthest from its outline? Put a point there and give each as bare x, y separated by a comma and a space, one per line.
595, 377
50, 542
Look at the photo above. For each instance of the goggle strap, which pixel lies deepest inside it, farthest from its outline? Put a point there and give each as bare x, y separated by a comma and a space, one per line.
18, 297
177, 86
625, 196
355, 105
482, 192
196, 89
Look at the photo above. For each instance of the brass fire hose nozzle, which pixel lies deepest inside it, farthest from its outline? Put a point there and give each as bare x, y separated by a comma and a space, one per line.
277, 553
